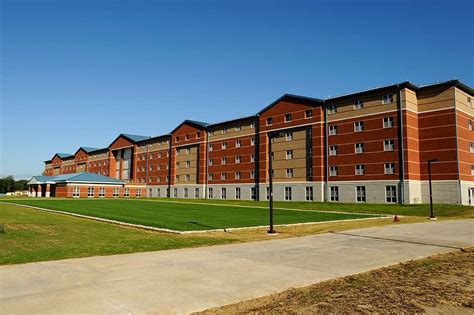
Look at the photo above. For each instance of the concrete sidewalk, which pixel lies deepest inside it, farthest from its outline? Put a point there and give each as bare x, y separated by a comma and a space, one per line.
186, 280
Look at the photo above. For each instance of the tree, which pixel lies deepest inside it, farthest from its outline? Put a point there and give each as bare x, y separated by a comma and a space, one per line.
8, 184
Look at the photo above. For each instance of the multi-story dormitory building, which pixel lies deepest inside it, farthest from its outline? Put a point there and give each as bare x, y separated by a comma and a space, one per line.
371, 146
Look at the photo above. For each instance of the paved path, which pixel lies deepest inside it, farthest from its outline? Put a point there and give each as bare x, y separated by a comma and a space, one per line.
186, 280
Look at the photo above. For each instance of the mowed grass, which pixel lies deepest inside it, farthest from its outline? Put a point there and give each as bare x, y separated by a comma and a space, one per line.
182, 216
32, 235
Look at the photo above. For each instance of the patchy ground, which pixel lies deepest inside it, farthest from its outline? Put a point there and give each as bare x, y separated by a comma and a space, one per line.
441, 284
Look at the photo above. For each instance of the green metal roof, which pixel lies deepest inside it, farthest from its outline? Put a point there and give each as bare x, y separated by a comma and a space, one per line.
134, 138
78, 178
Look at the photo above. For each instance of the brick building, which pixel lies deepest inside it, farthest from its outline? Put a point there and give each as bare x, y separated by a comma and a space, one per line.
370, 146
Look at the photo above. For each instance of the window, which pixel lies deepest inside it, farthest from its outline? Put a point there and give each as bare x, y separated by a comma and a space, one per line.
388, 122
211, 193
469, 124
359, 126
360, 194
223, 176
196, 192
289, 173
237, 159
309, 152
334, 193
198, 135
224, 161
211, 147
224, 193
359, 148
269, 121
287, 193
332, 109
116, 192
391, 194
150, 192
289, 154
177, 178
187, 177
158, 192
358, 104
267, 194
471, 147
237, 144
333, 150
188, 150
389, 168
224, 145
101, 192
308, 113
253, 193
138, 193
186, 192
468, 100
237, 192
252, 174
252, 125
287, 117
309, 193
175, 193
252, 141
252, 158
309, 172
187, 137
211, 162
359, 169
237, 175
177, 139
126, 192
309, 133
90, 192
388, 145
289, 136
387, 99
76, 192
332, 130
224, 130
333, 171
188, 164
472, 169
238, 128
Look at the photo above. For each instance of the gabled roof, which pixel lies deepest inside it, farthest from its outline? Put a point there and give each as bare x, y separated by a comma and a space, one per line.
131, 138
195, 123
99, 150
84, 177
291, 97
231, 121
406, 84
63, 155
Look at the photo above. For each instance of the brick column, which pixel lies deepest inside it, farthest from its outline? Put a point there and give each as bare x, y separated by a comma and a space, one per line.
38, 192
48, 188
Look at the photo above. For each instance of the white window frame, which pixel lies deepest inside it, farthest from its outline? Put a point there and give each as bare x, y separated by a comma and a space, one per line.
389, 168
238, 194
359, 169
223, 193
90, 192
359, 148
289, 173
387, 99
76, 191
309, 193
334, 193
308, 113
101, 192
389, 145
288, 193
332, 150
391, 194
388, 122
237, 175
333, 170
238, 143
138, 193
332, 109
361, 194
116, 192
238, 159
333, 130
358, 126
288, 117
210, 193
289, 154
359, 104
289, 136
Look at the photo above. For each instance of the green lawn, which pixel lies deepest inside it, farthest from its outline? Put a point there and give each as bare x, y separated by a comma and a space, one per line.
33, 235
181, 216
422, 210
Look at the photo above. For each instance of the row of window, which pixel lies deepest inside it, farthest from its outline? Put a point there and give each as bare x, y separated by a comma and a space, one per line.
361, 194
359, 126
237, 175
360, 169
196, 135
116, 192
359, 104
289, 117
238, 144
142, 157
388, 145
158, 167
237, 128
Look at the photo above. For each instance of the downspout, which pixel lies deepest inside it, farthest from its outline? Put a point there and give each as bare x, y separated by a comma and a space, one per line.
146, 172
457, 144
206, 175
326, 161
168, 194
401, 155
257, 158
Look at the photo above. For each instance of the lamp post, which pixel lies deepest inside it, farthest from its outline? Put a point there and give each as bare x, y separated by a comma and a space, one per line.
271, 136
431, 190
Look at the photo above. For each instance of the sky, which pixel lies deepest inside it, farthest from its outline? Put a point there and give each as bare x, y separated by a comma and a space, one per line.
79, 73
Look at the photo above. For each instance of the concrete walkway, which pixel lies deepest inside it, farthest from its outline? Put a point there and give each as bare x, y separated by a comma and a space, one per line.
186, 280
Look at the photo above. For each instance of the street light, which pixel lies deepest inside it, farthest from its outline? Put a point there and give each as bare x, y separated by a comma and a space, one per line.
271, 136
431, 190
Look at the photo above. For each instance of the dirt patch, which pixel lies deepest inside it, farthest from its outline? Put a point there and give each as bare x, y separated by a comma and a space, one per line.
441, 284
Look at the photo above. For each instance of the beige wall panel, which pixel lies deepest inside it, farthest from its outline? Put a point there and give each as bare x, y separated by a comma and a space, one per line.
231, 131
462, 102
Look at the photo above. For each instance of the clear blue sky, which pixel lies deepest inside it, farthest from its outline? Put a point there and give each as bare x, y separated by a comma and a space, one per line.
78, 73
